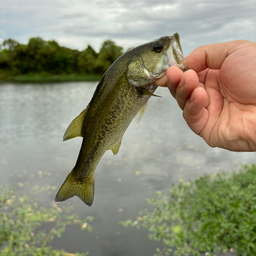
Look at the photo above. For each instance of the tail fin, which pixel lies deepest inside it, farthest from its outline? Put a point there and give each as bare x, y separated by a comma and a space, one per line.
83, 188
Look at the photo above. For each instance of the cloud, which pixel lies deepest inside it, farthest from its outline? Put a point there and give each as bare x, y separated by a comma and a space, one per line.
77, 23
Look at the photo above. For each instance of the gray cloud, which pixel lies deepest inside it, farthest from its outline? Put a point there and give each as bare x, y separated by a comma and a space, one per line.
76, 23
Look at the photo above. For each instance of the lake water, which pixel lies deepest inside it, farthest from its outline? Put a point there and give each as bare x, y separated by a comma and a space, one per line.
155, 153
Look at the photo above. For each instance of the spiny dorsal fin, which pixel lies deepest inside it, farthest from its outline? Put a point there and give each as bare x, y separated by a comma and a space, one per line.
75, 128
141, 112
116, 147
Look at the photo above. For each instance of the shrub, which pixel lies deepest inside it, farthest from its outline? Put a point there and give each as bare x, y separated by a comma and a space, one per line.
207, 215
21, 220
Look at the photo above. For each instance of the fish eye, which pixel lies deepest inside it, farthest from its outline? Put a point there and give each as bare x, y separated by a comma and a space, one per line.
157, 47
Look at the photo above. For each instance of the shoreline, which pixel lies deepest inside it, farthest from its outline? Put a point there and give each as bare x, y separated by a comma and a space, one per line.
38, 78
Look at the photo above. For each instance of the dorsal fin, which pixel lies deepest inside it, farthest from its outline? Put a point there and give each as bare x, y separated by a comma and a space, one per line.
75, 128
116, 147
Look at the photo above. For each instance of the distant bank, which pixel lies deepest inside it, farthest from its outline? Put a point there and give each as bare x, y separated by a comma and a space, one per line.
40, 60
39, 78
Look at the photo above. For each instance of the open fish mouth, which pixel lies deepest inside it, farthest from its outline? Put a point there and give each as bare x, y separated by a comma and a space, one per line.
175, 53
174, 57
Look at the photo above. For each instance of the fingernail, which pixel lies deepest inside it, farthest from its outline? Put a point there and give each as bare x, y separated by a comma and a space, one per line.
181, 83
169, 84
192, 98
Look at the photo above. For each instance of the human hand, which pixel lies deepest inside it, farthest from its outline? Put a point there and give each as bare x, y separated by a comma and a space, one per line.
218, 93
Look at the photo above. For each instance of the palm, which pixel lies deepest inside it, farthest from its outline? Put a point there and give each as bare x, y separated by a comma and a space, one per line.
231, 108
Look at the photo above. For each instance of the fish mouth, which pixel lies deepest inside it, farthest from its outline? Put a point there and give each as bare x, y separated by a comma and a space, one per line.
177, 52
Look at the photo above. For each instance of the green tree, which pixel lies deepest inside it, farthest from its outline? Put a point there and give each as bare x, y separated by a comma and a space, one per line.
21, 59
10, 44
66, 61
7, 56
35, 44
45, 57
5, 62
87, 61
40, 56
33, 48
109, 52
59, 59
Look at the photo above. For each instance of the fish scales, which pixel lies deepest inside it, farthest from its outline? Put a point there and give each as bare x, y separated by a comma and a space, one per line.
123, 90
110, 127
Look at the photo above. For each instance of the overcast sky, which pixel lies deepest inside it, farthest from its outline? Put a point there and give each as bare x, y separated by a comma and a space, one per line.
77, 23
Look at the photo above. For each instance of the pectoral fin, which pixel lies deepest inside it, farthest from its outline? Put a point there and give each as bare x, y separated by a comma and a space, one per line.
75, 128
146, 92
116, 147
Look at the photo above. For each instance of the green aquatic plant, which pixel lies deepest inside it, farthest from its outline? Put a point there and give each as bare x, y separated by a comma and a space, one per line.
26, 225
206, 216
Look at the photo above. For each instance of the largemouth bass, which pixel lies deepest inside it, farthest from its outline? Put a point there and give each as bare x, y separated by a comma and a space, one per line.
122, 92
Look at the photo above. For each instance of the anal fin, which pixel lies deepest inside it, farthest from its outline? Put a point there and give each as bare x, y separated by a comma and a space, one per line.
116, 147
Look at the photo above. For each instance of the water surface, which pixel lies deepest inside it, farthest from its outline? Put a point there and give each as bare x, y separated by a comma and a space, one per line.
155, 153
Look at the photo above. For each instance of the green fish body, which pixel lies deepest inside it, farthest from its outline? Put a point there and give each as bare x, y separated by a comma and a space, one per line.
122, 92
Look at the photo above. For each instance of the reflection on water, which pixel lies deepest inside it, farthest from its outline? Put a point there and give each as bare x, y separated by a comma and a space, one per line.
155, 153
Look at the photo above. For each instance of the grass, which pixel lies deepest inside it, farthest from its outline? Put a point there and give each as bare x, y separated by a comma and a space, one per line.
41, 78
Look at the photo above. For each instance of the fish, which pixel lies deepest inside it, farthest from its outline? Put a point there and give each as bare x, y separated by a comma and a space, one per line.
122, 93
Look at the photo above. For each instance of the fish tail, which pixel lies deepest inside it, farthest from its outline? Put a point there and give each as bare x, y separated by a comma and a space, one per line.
73, 186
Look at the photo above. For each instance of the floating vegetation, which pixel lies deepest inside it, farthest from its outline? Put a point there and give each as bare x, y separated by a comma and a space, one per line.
22, 221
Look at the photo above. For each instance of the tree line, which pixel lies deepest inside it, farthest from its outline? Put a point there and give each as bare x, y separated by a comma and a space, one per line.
40, 57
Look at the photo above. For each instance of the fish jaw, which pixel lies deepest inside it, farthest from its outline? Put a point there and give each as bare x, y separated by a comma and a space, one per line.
175, 53
144, 70
174, 57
